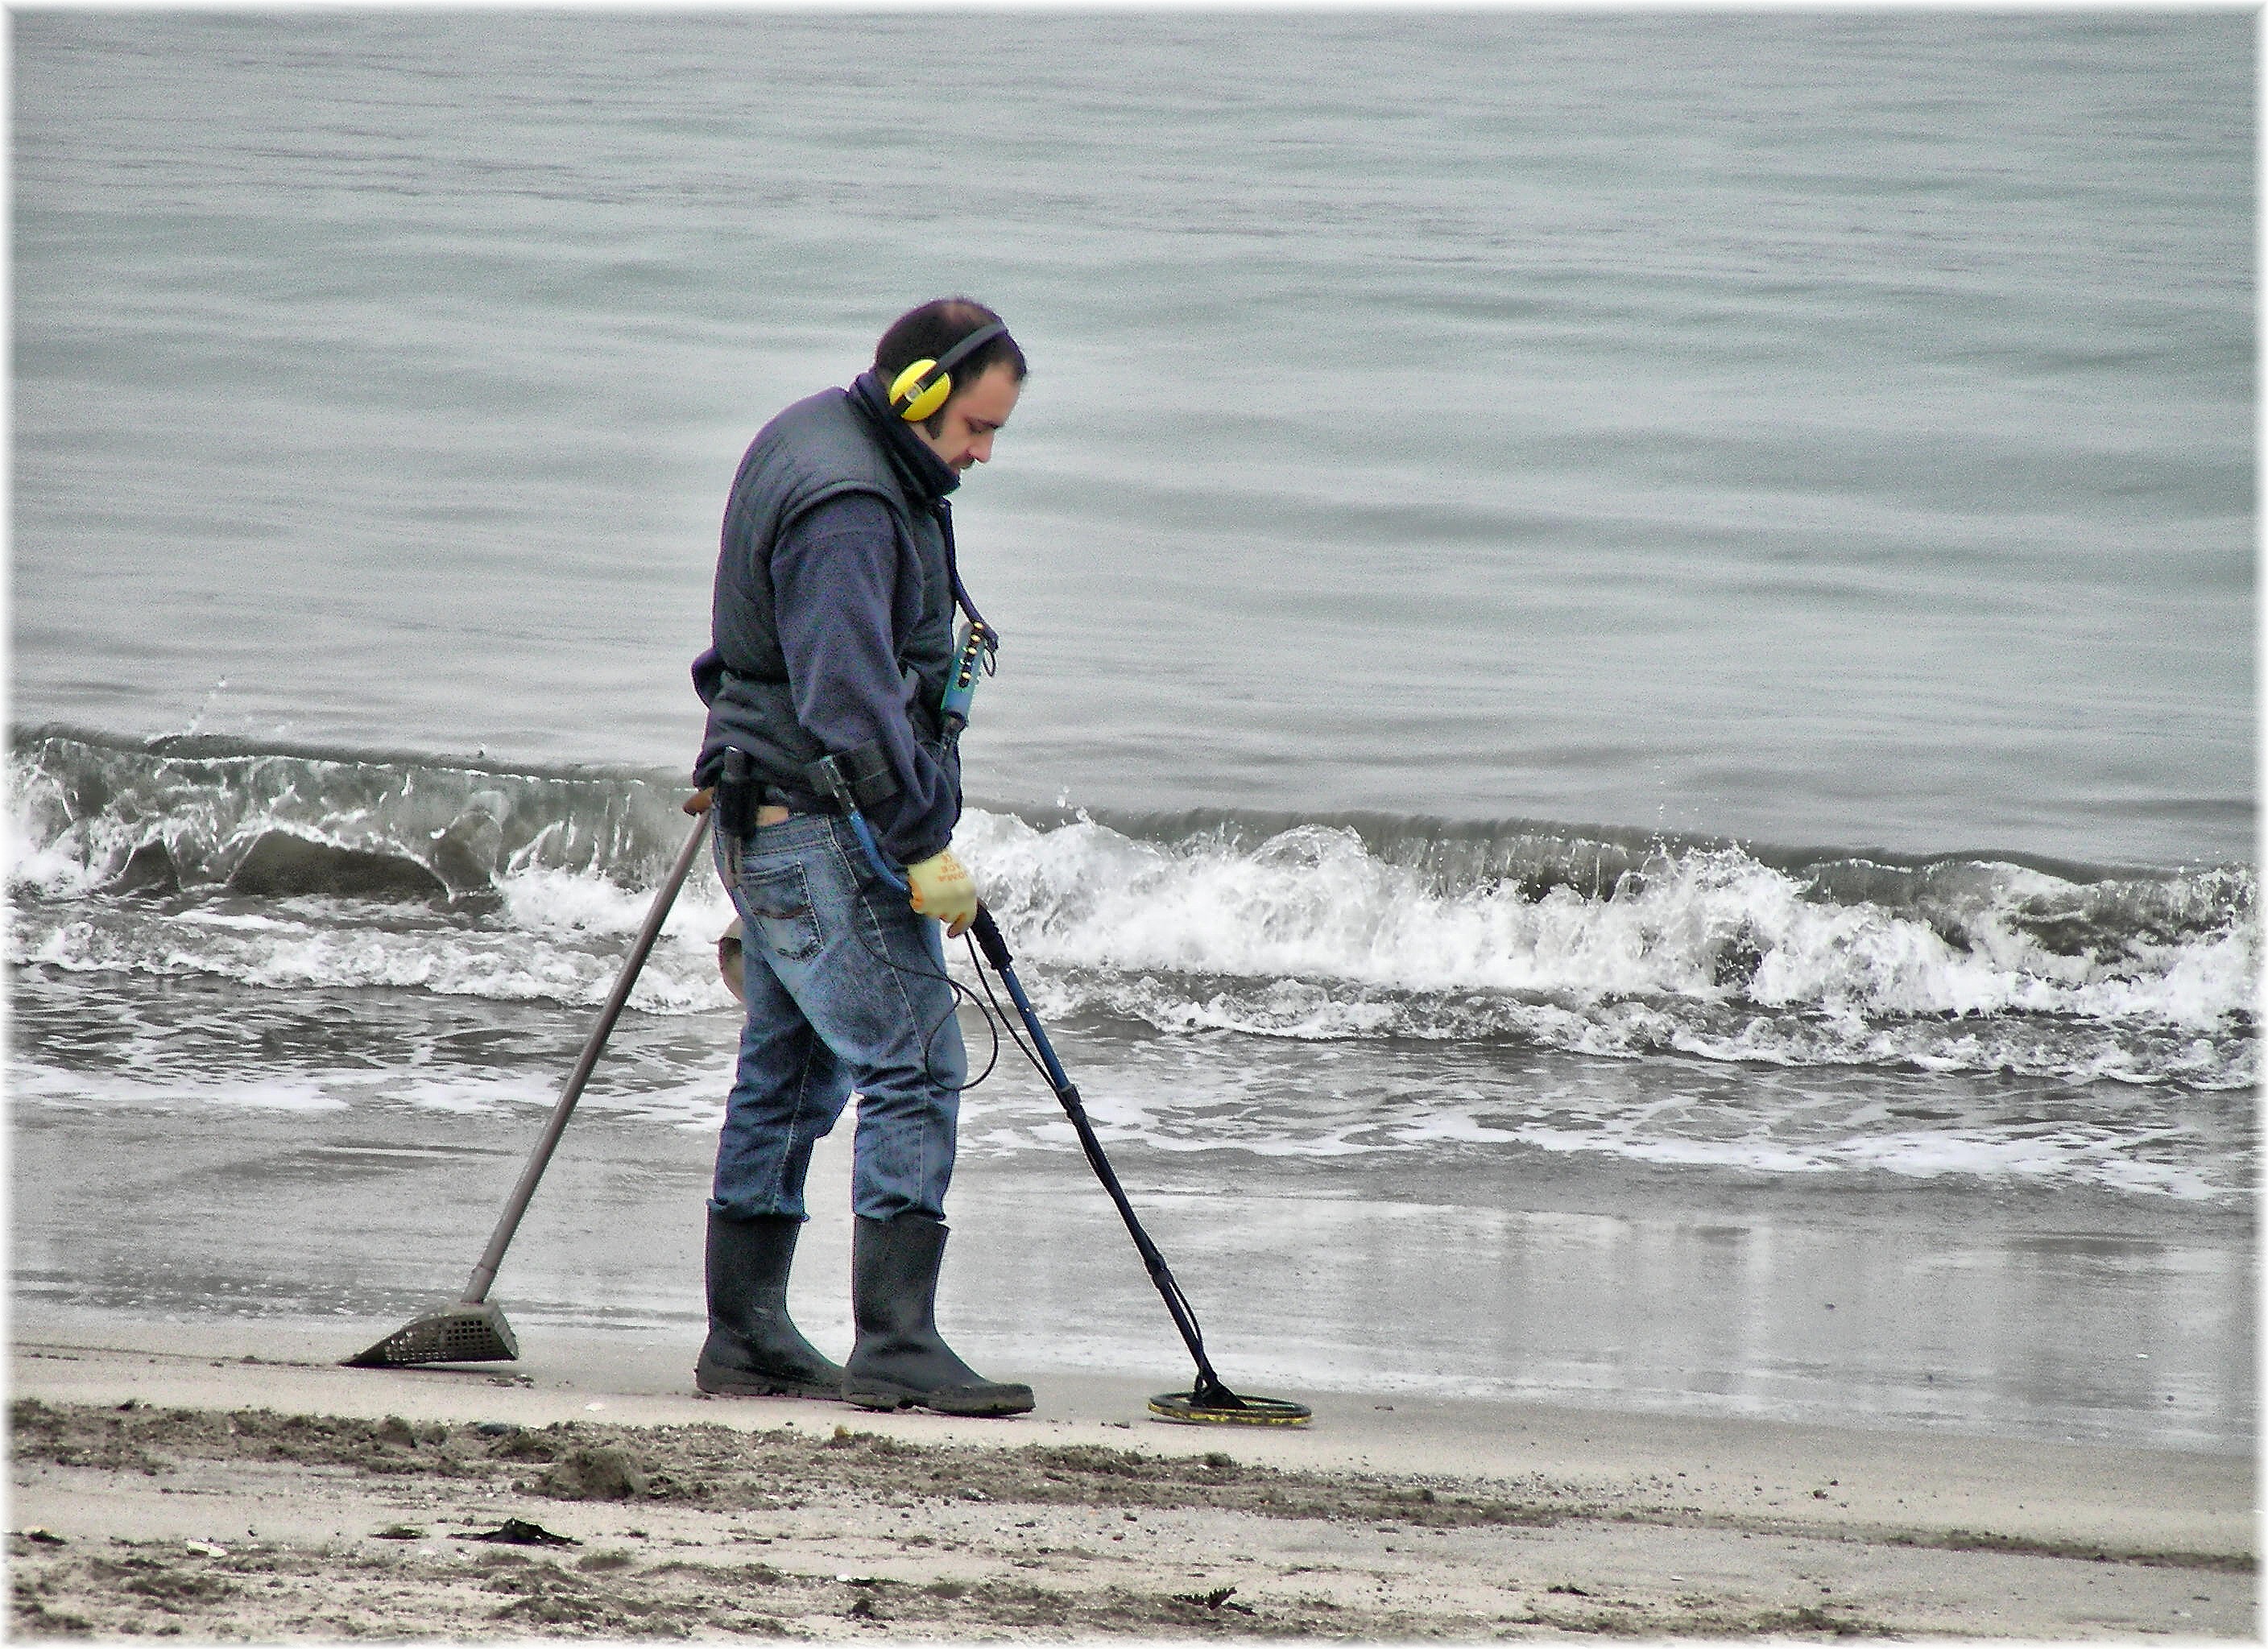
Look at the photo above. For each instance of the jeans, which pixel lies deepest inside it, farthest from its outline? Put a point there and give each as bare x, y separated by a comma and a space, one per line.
828, 1014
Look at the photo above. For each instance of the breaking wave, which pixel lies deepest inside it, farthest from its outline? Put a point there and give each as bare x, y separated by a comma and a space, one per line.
284, 865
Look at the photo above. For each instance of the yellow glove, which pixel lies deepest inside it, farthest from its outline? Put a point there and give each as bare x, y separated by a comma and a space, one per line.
938, 887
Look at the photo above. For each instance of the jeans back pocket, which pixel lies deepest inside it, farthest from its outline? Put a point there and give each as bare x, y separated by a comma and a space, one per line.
779, 901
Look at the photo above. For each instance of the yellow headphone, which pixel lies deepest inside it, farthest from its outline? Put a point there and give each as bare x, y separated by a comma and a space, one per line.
925, 386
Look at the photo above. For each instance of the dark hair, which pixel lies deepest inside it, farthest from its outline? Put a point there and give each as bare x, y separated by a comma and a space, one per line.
926, 333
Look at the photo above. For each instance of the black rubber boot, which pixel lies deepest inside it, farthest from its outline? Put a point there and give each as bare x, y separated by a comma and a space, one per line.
753, 1350
899, 1362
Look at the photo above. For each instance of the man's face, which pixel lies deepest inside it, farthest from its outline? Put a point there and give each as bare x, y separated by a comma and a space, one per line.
965, 427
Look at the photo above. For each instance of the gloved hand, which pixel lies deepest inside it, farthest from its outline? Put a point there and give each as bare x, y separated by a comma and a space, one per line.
938, 887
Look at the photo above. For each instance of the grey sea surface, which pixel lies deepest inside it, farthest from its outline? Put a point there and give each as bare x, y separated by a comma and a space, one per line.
1627, 713
1824, 428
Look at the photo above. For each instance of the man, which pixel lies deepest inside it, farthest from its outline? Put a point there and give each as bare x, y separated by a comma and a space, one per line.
832, 626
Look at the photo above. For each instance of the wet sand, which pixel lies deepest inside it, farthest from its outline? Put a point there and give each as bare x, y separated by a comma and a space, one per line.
174, 1491
1956, 1305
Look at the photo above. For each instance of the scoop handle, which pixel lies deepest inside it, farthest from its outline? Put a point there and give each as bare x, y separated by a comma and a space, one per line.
665, 896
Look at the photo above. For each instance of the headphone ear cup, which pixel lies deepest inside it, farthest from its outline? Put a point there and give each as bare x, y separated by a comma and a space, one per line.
927, 399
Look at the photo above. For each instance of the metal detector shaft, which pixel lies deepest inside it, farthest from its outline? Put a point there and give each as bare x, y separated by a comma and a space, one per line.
1209, 1391
484, 1272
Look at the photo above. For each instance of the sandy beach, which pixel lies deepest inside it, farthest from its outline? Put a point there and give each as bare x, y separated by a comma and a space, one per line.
229, 1482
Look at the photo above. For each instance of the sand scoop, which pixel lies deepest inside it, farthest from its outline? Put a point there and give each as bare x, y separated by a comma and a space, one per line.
474, 1329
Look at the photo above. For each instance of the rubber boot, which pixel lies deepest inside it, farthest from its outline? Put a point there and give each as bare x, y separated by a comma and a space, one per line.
899, 1362
753, 1351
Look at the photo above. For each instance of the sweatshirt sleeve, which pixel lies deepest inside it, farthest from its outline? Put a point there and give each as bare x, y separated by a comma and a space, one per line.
834, 592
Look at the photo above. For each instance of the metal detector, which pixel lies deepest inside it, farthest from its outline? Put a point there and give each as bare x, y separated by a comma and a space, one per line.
1208, 1403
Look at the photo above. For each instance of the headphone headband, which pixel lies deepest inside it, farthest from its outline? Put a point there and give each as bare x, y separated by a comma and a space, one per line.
926, 386
969, 345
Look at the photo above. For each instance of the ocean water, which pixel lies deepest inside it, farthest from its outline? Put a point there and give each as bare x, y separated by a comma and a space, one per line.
1631, 635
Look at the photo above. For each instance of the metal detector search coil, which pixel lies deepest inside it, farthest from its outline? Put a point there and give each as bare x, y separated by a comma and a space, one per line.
1182, 1408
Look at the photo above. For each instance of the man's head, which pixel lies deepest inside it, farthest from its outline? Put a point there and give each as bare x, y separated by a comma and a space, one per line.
985, 382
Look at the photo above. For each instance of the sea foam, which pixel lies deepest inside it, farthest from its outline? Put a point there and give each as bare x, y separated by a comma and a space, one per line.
283, 869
